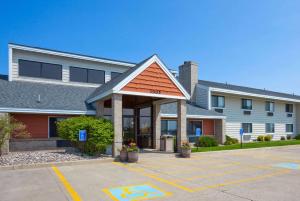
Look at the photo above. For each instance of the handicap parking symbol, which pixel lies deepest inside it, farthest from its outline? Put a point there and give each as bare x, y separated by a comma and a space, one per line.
135, 193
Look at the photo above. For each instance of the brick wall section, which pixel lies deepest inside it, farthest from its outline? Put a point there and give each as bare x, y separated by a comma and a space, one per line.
153, 80
36, 124
209, 126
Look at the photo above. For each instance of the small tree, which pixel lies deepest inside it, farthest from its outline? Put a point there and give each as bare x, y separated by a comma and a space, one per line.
11, 127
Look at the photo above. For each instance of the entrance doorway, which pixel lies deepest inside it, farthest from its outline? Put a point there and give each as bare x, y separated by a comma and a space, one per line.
137, 126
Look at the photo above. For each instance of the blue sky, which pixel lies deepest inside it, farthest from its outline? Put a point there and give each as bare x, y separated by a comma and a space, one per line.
251, 43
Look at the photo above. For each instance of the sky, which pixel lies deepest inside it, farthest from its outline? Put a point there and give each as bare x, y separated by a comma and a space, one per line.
246, 42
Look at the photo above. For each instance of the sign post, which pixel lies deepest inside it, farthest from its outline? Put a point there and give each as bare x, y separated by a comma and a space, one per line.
241, 134
82, 135
198, 133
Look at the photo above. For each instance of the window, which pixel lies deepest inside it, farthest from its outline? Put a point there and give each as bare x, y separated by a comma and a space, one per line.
87, 75
168, 127
96, 76
114, 75
40, 70
247, 104
218, 101
78, 74
289, 108
247, 127
270, 128
53, 125
289, 128
270, 106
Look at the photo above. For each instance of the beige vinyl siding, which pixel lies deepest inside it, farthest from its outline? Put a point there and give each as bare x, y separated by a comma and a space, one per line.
258, 117
65, 62
297, 109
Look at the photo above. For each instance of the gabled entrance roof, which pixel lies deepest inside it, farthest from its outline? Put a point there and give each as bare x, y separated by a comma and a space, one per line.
148, 78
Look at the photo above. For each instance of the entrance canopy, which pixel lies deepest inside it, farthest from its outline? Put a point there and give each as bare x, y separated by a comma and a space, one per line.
148, 78
142, 88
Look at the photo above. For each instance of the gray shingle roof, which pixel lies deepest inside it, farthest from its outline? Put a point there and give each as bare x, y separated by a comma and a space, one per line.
17, 94
171, 108
112, 83
247, 89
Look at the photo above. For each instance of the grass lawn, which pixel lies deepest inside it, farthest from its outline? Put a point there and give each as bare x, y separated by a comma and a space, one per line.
247, 145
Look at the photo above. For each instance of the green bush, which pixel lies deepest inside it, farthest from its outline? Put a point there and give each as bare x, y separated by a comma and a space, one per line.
206, 141
288, 137
230, 140
268, 138
297, 137
260, 138
282, 138
99, 133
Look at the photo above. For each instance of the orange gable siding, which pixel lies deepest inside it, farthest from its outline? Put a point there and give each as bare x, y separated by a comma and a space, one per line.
153, 80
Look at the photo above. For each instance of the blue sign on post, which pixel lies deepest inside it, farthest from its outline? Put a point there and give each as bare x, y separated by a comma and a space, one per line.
82, 135
241, 131
198, 131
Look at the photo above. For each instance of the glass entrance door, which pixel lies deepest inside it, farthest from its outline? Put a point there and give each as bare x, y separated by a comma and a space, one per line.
128, 129
144, 129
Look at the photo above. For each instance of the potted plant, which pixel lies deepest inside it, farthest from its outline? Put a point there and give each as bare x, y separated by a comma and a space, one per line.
133, 152
123, 154
185, 150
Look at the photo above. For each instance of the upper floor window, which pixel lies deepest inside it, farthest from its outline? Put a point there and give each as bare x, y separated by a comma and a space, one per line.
289, 128
114, 75
87, 75
270, 128
40, 70
247, 127
218, 101
289, 108
270, 106
247, 104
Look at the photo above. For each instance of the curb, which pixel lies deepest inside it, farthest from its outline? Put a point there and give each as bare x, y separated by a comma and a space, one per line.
247, 149
59, 164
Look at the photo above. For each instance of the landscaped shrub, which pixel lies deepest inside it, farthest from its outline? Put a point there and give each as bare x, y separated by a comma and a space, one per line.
297, 137
260, 138
288, 137
268, 138
282, 138
11, 127
230, 140
206, 141
99, 133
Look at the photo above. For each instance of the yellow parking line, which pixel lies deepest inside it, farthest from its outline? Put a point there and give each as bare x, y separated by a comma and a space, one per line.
152, 176
232, 182
67, 185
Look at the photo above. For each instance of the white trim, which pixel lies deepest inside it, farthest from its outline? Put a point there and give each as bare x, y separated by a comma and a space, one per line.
56, 82
150, 94
252, 94
46, 111
153, 59
193, 116
70, 55
9, 64
119, 86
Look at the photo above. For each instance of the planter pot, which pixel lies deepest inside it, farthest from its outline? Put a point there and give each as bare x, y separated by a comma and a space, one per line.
133, 156
186, 153
123, 156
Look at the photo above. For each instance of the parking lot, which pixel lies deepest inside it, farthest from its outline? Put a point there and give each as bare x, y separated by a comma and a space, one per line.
257, 174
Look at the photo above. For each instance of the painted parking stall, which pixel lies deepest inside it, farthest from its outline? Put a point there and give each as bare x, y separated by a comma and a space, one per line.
231, 175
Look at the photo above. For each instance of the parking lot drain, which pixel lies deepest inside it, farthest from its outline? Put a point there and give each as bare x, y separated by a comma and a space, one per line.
292, 166
135, 193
